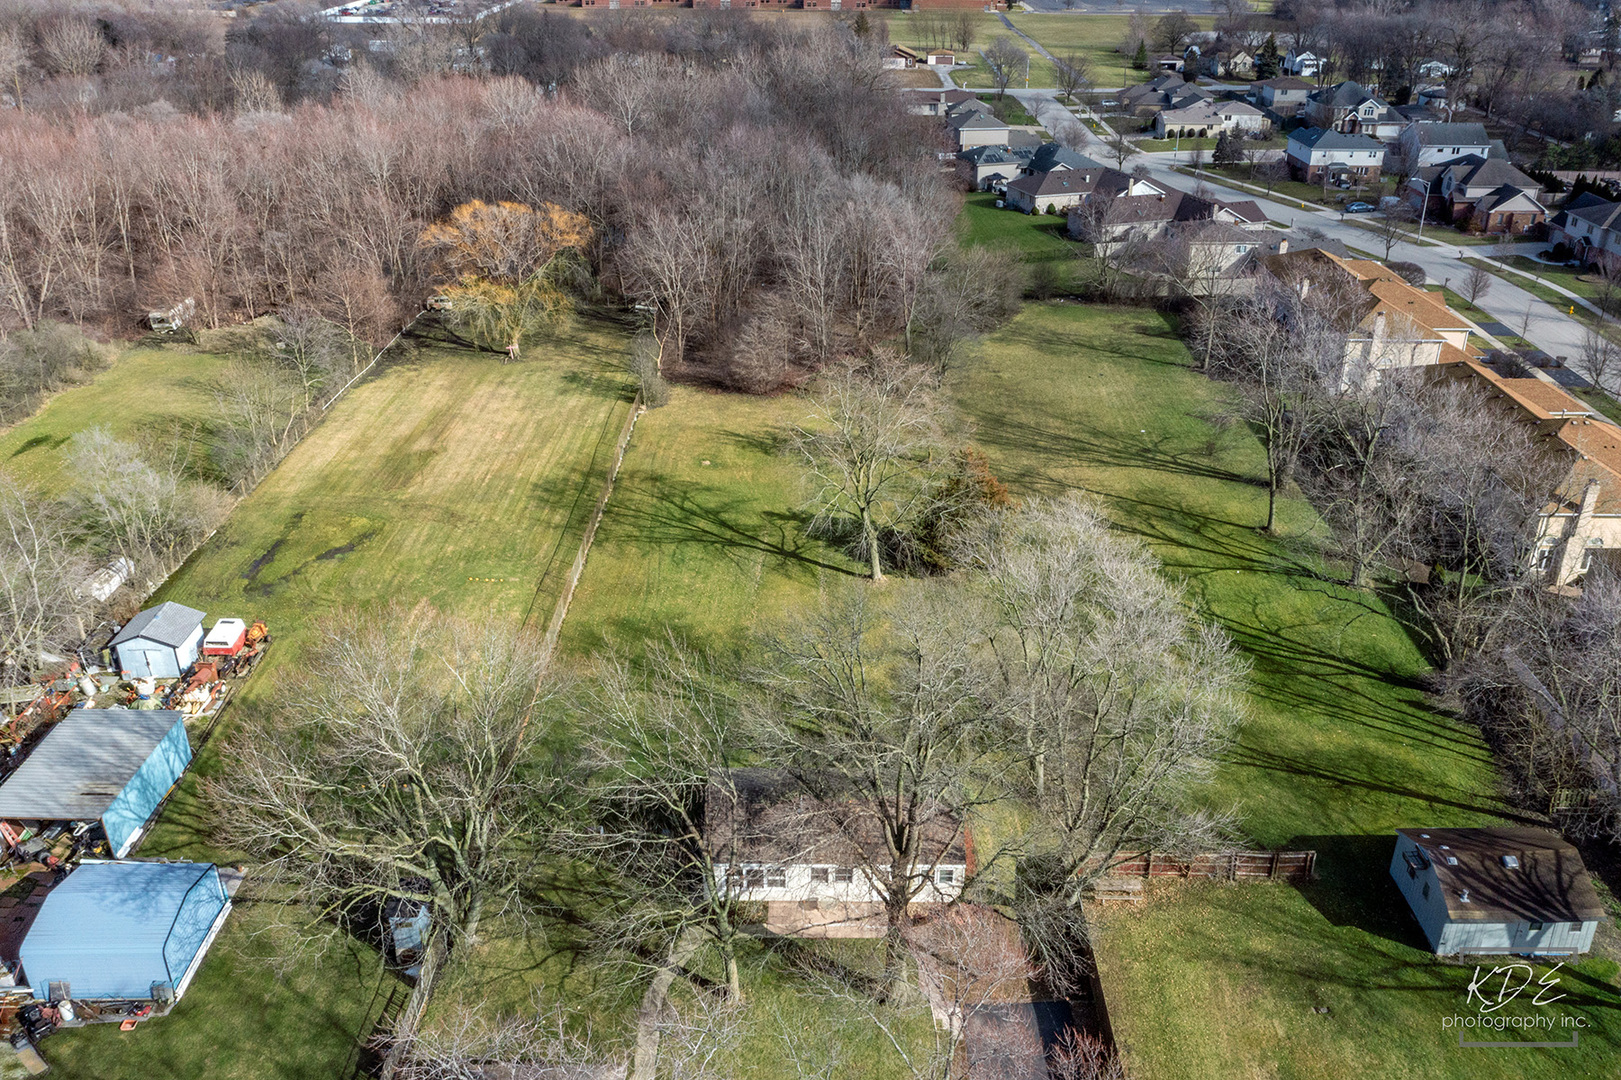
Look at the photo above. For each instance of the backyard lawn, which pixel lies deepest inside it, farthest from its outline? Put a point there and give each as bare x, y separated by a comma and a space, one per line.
450, 479
161, 398
1339, 748
1038, 238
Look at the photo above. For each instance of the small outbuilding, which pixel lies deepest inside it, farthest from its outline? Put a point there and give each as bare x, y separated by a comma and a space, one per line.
124, 931
160, 642
1497, 890
108, 765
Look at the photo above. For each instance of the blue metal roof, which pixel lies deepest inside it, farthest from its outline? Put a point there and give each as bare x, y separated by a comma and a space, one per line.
113, 929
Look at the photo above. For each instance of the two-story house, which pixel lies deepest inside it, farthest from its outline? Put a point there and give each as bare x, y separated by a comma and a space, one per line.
1426, 144
1591, 227
1284, 95
1480, 194
1351, 108
1318, 154
1302, 63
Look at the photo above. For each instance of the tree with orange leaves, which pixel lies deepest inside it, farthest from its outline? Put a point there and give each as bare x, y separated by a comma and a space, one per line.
511, 263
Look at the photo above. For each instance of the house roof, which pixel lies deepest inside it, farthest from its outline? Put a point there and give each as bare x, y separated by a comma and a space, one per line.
1286, 82
1329, 139
83, 763
776, 819
1383, 290
1245, 210
995, 155
168, 624
1509, 199
1430, 134
941, 97
1346, 95
1602, 214
976, 121
1550, 884
1170, 206
1051, 156
1064, 181
1473, 171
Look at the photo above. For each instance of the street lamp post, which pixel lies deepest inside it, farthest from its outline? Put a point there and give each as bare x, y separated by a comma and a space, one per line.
1423, 207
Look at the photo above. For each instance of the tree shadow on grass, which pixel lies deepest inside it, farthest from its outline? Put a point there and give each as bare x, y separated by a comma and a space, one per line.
677, 512
1248, 755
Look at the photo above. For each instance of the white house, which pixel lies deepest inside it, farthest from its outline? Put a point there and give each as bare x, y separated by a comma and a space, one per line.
1210, 117
1497, 890
776, 842
1302, 64
160, 642
1425, 144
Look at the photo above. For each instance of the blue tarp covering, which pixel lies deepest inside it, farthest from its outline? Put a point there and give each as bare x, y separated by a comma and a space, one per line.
147, 787
112, 930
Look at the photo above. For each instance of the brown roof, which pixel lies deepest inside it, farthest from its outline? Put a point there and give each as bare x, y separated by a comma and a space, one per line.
775, 819
1550, 884
1385, 290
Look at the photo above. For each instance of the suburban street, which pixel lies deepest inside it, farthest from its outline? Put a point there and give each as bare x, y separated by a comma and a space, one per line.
1515, 308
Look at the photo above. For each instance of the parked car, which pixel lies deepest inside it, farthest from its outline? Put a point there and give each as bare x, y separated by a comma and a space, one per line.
1109, 104
1360, 208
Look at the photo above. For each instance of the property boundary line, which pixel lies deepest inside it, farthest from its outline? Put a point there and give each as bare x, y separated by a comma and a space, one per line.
1220, 865
554, 628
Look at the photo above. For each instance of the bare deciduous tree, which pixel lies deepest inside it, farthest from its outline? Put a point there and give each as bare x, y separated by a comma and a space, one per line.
1006, 62
877, 716
1072, 72
72, 46
1119, 699
1476, 283
420, 763
1600, 358
42, 576
143, 511
873, 449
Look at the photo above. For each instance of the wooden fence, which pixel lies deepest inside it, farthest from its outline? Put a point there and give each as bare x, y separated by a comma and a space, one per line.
1223, 865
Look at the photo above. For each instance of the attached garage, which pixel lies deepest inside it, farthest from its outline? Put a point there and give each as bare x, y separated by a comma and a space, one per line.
108, 765
124, 931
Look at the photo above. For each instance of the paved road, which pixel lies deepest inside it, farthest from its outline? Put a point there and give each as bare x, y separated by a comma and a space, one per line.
1551, 330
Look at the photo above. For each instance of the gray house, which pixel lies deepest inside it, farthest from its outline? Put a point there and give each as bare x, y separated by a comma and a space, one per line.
1499, 890
160, 642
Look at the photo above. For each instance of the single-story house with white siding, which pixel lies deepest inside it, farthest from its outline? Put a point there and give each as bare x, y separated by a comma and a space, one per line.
1497, 890
774, 841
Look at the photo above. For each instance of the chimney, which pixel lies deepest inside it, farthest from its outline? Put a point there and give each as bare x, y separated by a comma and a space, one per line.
1379, 325
1283, 246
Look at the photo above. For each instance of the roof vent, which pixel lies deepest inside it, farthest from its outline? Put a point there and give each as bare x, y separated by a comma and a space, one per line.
1452, 860
1511, 861
1464, 896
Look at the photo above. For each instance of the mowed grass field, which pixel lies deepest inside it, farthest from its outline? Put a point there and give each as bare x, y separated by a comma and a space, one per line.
1340, 745
449, 479
160, 398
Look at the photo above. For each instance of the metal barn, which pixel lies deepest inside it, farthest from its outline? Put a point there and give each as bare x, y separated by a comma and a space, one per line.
108, 765
160, 642
124, 930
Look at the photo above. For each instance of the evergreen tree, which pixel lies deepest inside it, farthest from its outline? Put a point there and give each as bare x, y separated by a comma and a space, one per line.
1140, 61
1267, 59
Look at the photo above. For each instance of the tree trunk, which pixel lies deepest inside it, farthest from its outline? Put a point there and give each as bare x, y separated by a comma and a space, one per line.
405, 1028
645, 1060
1271, 504
870, 532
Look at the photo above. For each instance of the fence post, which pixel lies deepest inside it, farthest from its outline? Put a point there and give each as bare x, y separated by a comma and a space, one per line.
1273, 873
1148, 865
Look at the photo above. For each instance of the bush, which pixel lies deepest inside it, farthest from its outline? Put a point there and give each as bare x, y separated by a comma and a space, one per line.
644, 365
1412, 273
50, 357
1043, 281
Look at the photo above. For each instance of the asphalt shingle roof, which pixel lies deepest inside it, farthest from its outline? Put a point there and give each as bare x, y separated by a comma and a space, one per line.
168, 624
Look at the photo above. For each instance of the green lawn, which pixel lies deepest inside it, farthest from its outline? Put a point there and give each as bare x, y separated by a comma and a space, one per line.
161, 398
451, 479
1339, 748
1037, 238
1094, 37
1008, 110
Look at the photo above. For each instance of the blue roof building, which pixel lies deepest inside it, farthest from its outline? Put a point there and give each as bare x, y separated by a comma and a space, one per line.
124, 930
160, 642
108, 765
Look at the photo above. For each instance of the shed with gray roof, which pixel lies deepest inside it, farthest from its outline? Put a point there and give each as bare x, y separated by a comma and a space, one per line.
160, 642
109, 765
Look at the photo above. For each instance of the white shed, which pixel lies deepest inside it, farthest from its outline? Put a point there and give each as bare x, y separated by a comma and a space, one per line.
1497, 890
160, 642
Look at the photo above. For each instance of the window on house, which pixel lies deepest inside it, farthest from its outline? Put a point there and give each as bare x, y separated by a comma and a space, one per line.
1593, 545
776, 878
754, 877
1536, 928
945, 875
1544, 557
844, 875
819, 874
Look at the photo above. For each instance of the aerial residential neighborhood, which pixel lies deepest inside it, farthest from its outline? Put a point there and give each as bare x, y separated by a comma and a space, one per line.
810, 540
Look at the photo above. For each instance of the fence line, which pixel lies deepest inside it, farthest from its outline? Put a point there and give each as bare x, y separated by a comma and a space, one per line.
1221, 865
554, 628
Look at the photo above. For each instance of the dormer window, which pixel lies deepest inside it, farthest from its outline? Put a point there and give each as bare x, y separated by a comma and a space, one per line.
1512, 862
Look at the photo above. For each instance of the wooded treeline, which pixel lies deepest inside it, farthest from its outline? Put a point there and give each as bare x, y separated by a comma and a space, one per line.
754, 190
